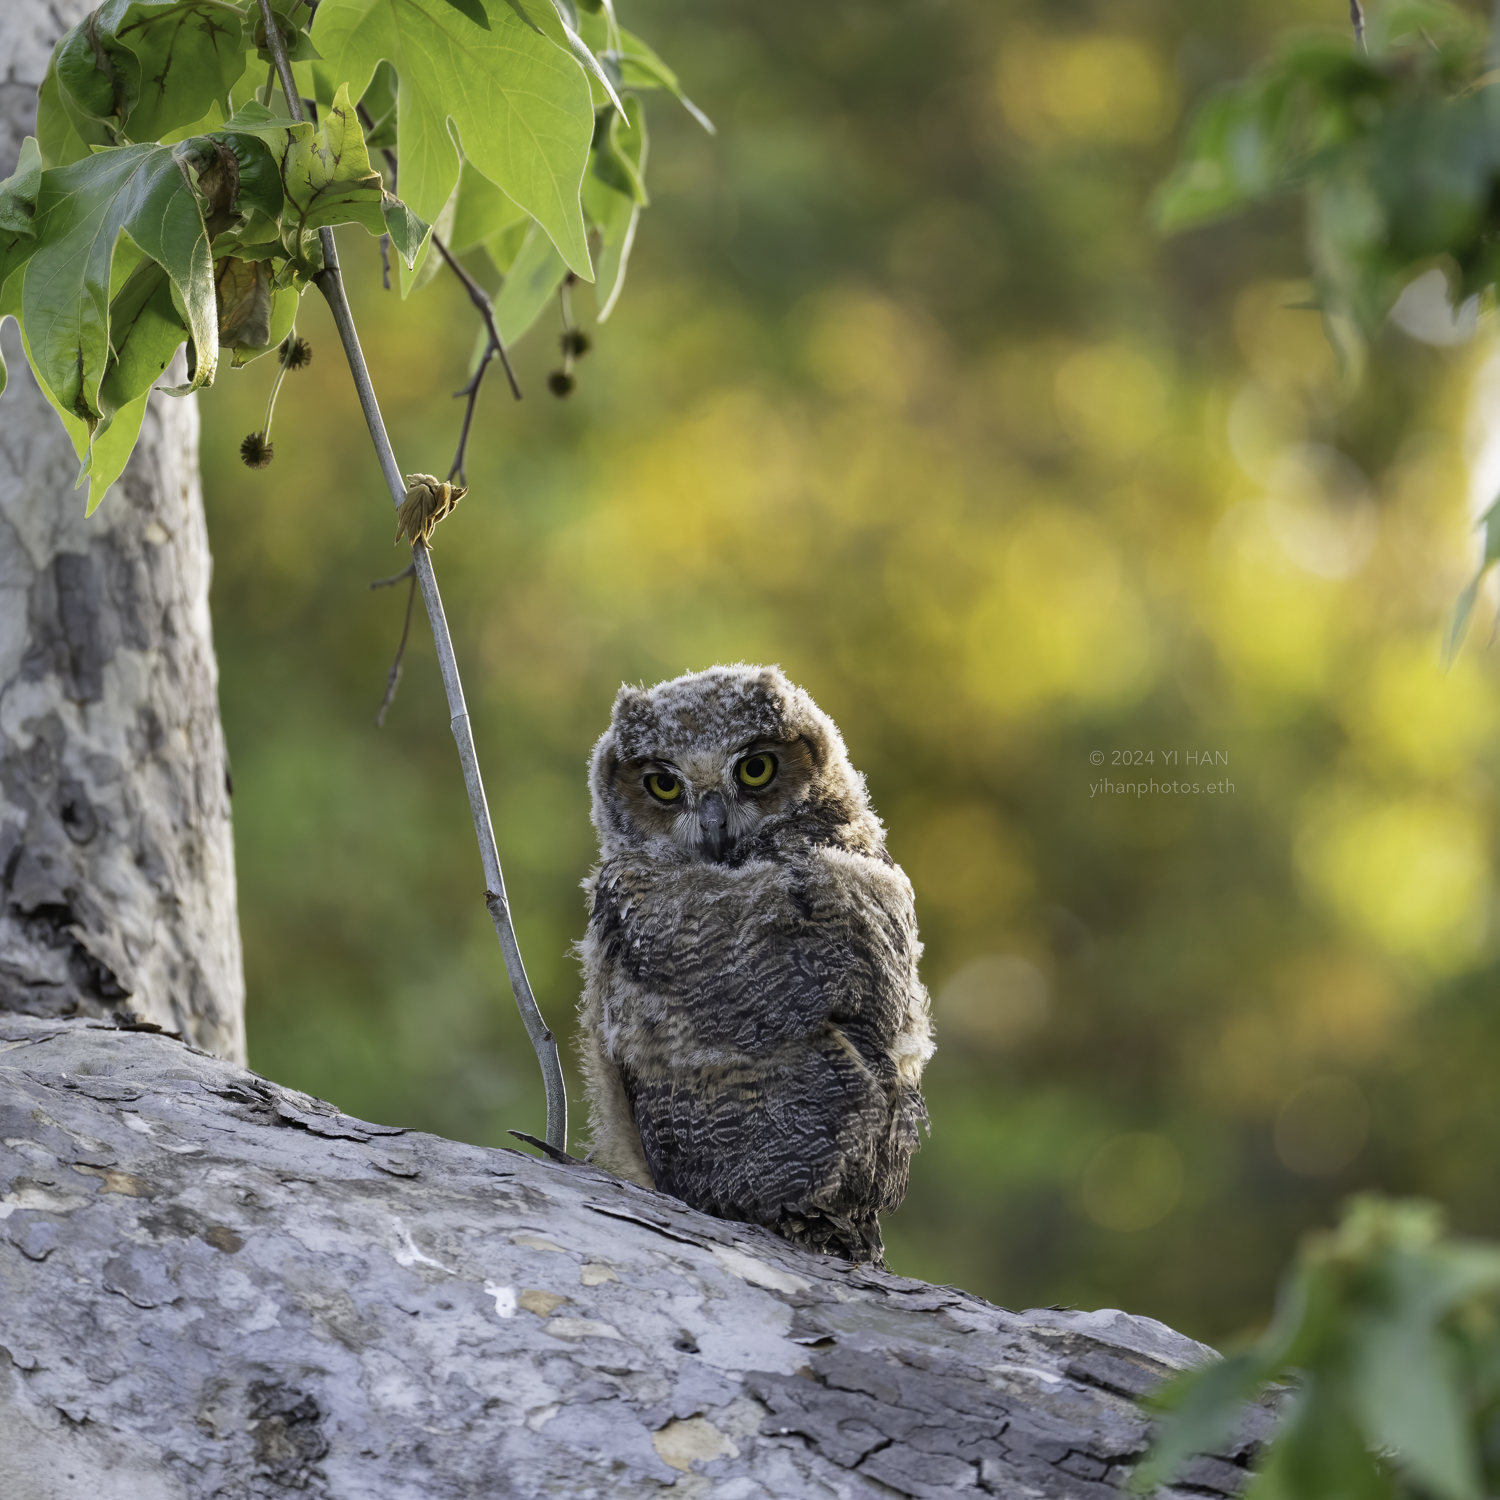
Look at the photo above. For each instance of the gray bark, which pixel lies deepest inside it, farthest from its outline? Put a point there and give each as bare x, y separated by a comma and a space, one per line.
211, 1286
117, 883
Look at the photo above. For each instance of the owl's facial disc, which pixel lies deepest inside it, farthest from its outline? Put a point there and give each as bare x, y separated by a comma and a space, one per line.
708, 802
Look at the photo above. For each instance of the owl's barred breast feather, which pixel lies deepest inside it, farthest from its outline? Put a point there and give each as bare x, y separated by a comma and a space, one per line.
753, 1025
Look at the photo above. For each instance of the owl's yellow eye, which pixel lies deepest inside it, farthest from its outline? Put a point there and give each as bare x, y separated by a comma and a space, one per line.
756, 770
664, 786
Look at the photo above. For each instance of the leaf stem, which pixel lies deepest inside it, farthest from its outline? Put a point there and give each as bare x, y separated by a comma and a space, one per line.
331, 284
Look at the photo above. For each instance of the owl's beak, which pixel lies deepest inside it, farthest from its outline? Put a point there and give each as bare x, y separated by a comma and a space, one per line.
713, 820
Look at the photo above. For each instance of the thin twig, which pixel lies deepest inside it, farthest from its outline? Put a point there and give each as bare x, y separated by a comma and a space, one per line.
471, 390
393, 677
331, 284
409, 571
481, 299
1357, 18
385, 262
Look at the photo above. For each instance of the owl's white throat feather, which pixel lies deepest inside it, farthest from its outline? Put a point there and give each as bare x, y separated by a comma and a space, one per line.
712, 824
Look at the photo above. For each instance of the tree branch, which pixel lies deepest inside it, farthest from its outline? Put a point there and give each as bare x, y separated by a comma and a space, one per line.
393, 677
331, 284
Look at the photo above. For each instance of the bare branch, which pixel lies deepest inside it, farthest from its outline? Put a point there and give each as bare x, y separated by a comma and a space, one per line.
331, 284
1357, 19
393, 677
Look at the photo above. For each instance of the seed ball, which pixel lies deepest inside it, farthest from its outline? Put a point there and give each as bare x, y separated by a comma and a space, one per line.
256, 452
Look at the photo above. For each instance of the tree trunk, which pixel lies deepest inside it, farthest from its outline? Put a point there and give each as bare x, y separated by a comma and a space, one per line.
212, 1288
116, 852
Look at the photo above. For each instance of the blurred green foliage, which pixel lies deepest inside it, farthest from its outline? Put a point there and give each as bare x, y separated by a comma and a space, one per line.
909, 396
1390, 1337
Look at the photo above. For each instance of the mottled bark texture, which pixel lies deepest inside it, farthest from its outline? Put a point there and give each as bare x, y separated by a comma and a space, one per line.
117, 883
214, 1287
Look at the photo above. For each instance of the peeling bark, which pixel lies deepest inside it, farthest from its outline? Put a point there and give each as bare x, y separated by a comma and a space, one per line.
211, 1286
117, 887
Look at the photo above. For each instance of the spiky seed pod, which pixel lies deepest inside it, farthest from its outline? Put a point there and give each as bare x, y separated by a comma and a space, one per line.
560, 383
576, 342
296, 353
256, 452
427, 501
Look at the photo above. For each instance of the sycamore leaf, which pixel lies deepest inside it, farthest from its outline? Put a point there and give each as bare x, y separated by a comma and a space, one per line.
547, 16
483, 211
284, 304
17, 231
85, 211
18, 195
406, 230
640, 68
619, 153
328, 178
243, 291
520, 105
504, 245
613, 260
1205, 1404
534, 275
136, 70
110, 450
312, 180
474, 10
1459, 623
611, 210
113, 441
55, 132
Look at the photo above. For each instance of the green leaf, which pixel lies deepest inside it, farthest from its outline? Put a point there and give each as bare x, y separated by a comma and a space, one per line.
413, 278
284, 305
406, 230
320, 179
1319, 1450
548, 17
612, 212
619, 153
504, 245
327, 178
474, 10
1408, 1400
534, 275
483, 211
105, 456
640, 68
18, 194
1204, 1405
299, 45
519, 104
145, 331
110, 450
55, 132
379, 101
1459, 623
85, 211
136, 70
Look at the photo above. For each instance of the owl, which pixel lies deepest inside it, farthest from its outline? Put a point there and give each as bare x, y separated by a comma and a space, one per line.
753, 1030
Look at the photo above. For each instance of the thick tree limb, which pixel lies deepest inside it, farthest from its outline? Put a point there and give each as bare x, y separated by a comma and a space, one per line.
211, 1286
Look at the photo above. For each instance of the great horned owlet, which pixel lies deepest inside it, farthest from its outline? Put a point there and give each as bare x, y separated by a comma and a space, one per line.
753, 1028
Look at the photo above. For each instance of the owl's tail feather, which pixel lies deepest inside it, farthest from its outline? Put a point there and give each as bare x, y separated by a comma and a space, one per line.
833, 1234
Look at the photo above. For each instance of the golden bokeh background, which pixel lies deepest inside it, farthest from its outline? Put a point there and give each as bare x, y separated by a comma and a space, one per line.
906, 395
